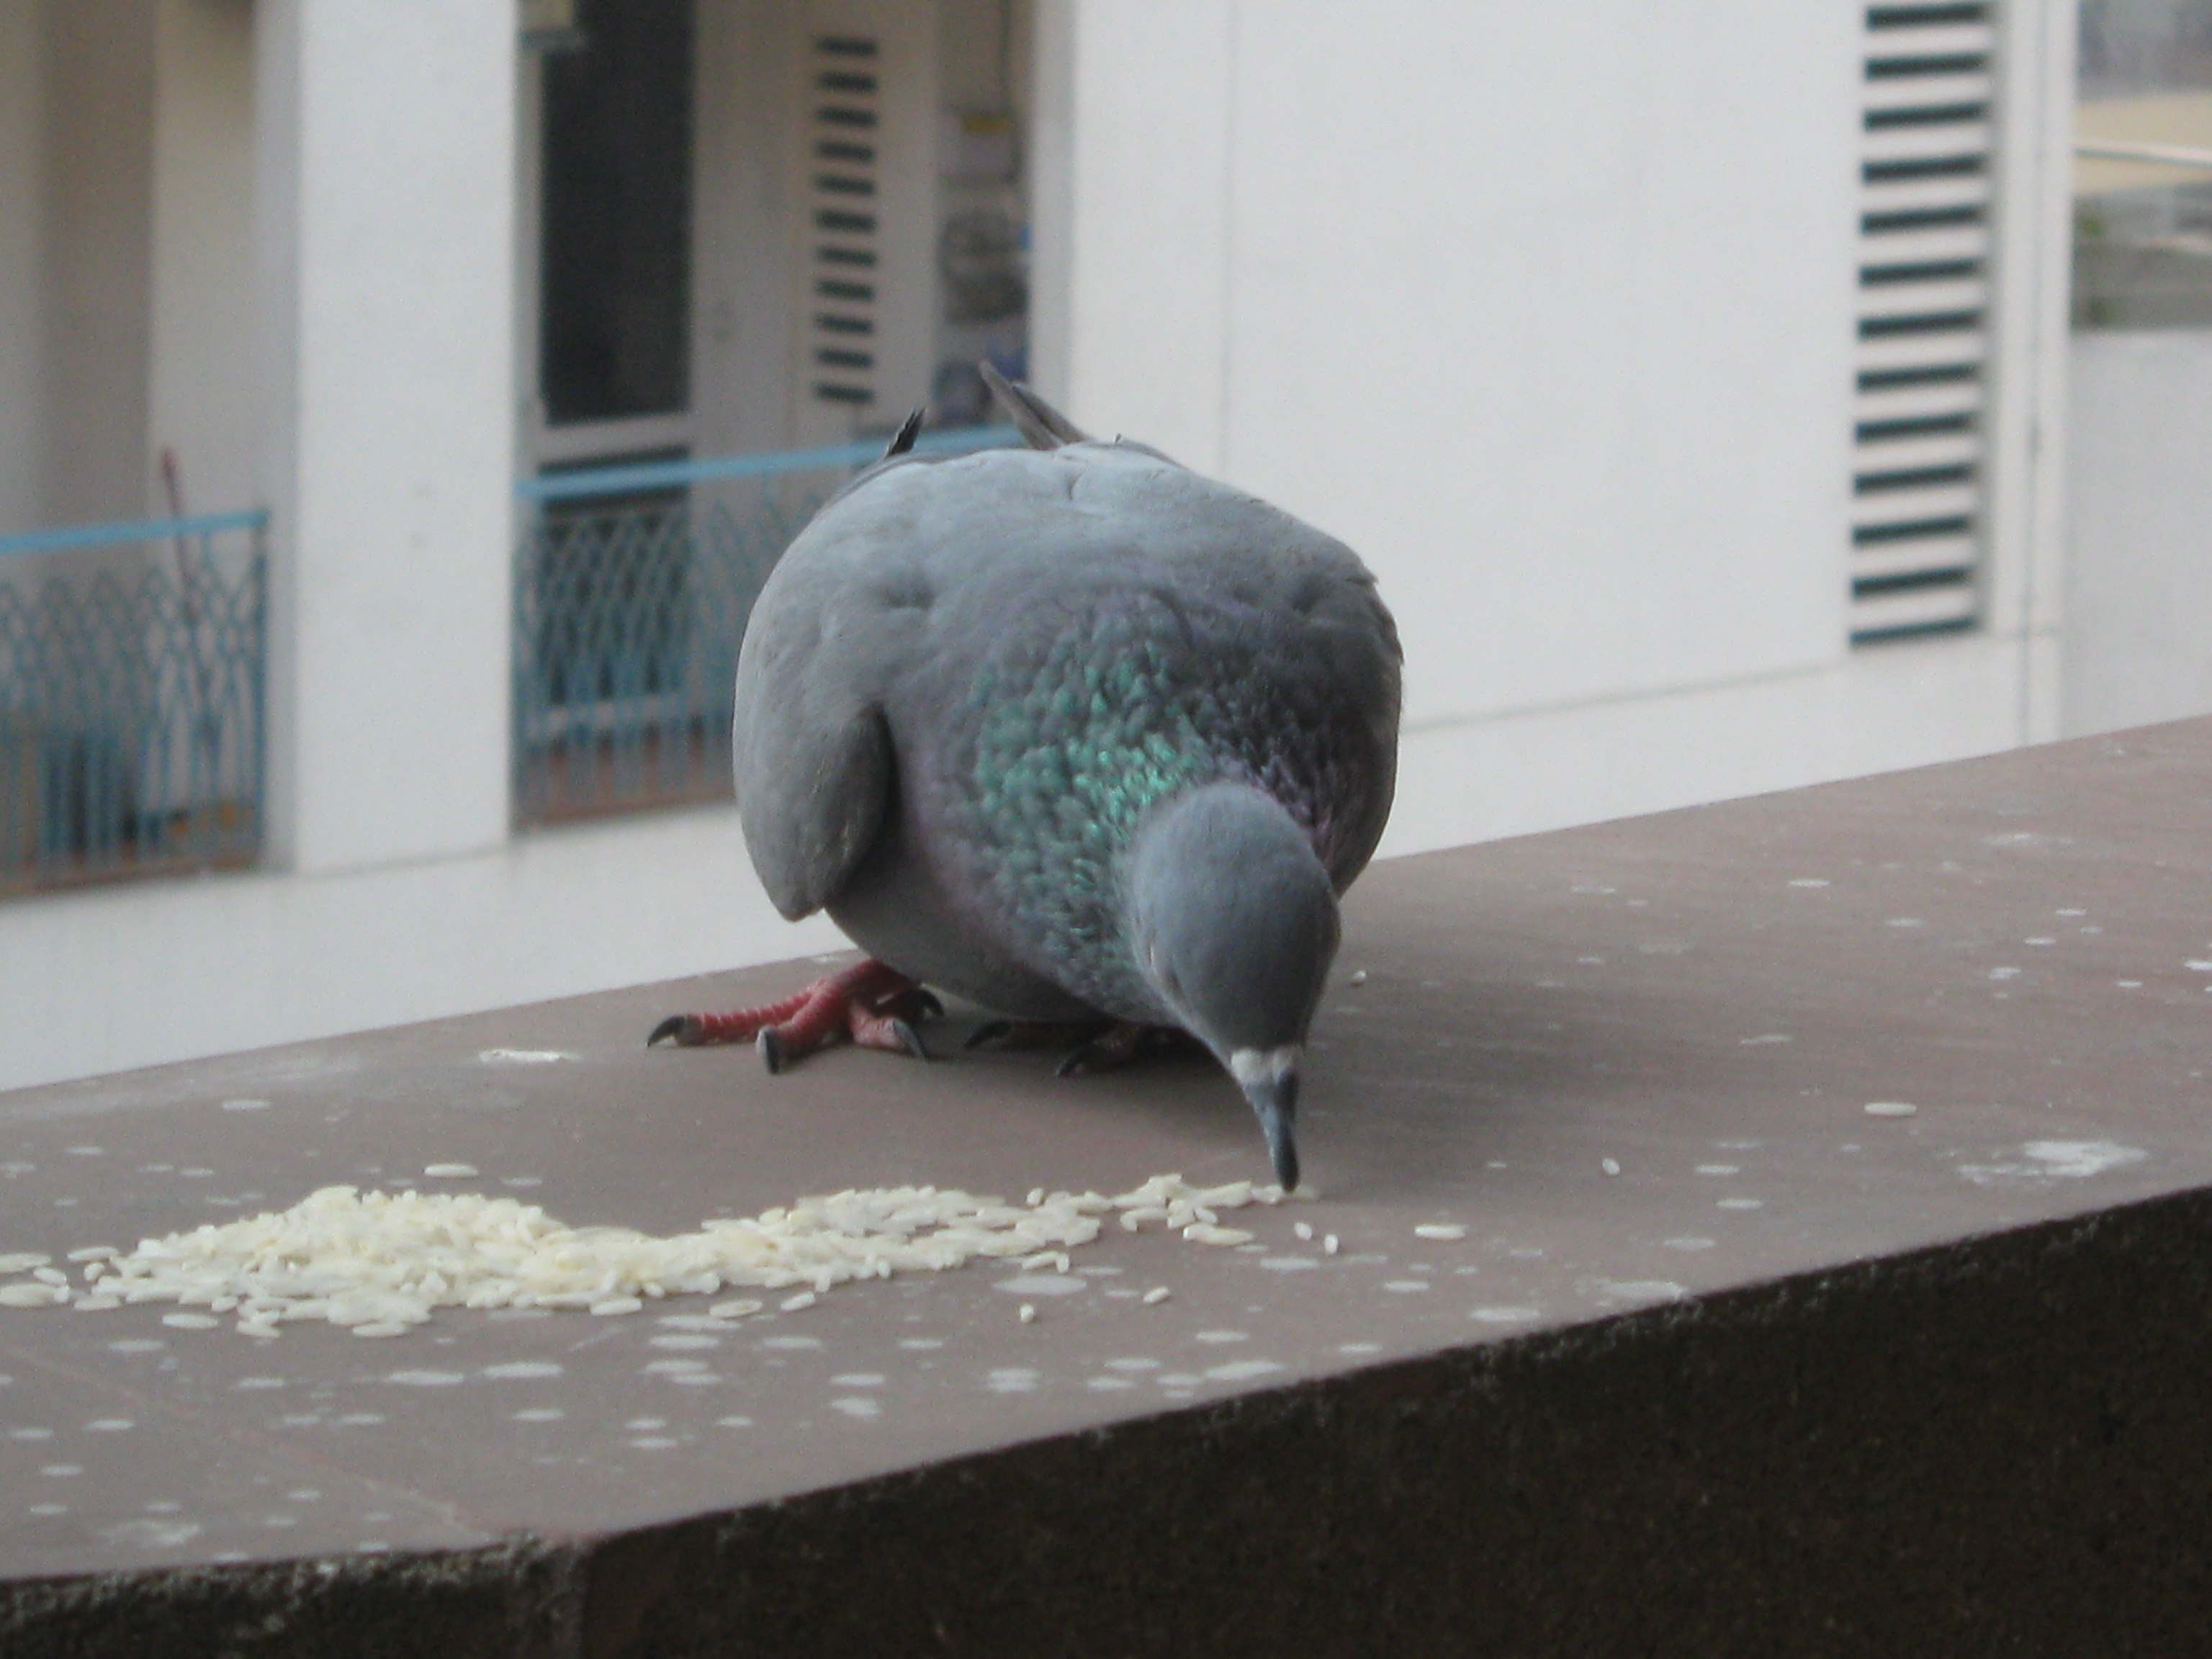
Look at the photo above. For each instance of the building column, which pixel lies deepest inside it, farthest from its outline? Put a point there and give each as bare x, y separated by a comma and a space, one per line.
1135, 113
384, 140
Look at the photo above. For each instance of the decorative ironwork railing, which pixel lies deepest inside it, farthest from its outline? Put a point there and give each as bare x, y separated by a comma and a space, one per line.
632, 588
131, 664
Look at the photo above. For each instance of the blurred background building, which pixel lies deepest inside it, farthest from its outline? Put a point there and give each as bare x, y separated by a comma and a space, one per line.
400, 401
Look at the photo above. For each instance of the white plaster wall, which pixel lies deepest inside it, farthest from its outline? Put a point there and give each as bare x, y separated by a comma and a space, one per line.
2138, 642
1131, 220
386, 227
22, 255
1548, 311
1503, 295
1533, 769
201, 395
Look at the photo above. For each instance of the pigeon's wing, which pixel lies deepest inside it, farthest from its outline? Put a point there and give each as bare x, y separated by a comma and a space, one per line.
1351, 638
903, 440
810, 745
1042, 427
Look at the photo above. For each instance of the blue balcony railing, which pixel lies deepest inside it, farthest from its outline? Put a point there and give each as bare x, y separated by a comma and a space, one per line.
632, 588
132, 662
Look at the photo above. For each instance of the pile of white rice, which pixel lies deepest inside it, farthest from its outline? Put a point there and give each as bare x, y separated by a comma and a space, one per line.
379, 1262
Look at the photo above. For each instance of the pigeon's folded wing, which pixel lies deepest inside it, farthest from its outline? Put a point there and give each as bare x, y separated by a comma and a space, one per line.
811, 751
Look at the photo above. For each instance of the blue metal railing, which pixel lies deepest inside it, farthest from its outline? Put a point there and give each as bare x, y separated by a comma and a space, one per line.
131, 668
632, 588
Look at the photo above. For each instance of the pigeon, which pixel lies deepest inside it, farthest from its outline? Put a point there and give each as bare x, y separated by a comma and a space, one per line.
1073, 732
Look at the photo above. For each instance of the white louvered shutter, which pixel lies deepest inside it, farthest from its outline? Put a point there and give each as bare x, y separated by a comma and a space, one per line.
1925, 244
867, 189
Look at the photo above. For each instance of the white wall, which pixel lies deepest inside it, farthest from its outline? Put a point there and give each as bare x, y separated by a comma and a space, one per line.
1548, 312
2138, 644
385, 231
110, 978
1501, 294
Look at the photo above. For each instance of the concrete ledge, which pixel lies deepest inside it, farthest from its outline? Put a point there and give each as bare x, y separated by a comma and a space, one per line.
1797, 1380
1996, 1446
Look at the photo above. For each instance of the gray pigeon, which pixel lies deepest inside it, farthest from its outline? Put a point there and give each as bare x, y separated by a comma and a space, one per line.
1076, 733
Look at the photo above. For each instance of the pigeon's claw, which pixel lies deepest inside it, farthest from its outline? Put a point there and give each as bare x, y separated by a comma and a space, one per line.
885, 1031
685, 1028
770, 1044
991, 1030
869, 1004
1122, 1043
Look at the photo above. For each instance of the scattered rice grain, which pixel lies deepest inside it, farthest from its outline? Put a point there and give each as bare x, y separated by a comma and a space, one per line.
365, 1261
1201, 1232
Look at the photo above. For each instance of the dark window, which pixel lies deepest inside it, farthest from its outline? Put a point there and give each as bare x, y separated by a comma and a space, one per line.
616, 254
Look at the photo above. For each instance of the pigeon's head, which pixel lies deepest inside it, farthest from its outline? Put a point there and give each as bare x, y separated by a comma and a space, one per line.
1232, 921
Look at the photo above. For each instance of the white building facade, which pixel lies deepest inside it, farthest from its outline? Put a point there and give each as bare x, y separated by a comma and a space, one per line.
1576, 320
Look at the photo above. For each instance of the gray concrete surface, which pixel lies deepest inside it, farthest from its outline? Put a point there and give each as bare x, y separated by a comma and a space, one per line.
1797, 1378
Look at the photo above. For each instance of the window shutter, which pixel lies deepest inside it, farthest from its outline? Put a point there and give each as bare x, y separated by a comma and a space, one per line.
867, 85
1926, 167
843, 198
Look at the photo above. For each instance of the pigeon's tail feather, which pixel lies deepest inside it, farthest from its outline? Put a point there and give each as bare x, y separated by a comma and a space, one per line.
903, 440
1041, 425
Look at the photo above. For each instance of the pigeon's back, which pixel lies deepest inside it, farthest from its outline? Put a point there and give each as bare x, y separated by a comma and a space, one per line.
985, 673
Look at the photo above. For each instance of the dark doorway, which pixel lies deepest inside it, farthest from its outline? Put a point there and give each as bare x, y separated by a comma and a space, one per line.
615, 243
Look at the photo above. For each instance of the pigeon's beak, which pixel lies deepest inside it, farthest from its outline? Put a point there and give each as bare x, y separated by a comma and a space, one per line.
1269, 1079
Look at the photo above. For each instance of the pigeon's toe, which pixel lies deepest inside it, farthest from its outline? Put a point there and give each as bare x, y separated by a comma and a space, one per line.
1120, 1043
685, 1028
